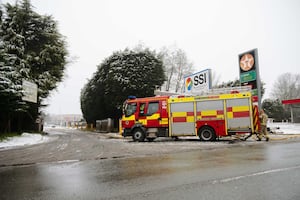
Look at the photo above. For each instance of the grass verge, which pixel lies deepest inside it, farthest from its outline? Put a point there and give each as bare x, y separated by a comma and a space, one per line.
3, 136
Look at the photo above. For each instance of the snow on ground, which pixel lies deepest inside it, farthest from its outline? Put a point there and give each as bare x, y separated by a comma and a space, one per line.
284, 128
24, 139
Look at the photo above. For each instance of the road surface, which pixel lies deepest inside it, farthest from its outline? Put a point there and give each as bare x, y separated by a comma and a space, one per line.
67, 168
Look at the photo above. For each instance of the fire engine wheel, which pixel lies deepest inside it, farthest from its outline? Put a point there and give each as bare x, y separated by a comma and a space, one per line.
138, 135
207, 134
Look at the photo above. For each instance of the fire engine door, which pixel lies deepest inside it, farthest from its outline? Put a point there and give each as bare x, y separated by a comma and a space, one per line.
149, 114
238, 114
153, 114
182, 119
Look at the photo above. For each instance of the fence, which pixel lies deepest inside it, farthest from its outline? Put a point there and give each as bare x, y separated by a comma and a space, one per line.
106, 125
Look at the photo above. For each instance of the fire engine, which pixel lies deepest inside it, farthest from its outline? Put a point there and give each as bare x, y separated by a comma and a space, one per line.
209, 116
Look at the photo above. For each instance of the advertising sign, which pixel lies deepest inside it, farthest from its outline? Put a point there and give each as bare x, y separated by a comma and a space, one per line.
249, 72
30, 91
198, 83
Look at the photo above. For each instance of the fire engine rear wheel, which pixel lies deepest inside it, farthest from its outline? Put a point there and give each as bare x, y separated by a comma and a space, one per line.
138, 135
207, 134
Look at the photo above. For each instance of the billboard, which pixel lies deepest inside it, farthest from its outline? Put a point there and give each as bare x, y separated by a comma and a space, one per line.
249, 72
198, 83
30, 91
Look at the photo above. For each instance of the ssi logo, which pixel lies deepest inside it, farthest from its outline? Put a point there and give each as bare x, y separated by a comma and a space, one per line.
188, 84
198, 82
200, 79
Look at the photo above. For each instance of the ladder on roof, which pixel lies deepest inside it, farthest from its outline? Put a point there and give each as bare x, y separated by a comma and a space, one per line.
213, 91
239, 89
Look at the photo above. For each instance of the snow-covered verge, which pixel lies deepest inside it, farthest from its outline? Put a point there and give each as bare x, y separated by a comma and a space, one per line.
284, 128
24, 139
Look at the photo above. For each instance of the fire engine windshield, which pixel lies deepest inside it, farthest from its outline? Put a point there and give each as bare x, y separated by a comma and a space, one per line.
129, 109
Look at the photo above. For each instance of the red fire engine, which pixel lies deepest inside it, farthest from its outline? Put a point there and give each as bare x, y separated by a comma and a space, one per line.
209, 117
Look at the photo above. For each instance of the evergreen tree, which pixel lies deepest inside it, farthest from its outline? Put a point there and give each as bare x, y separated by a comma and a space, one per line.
129, 72
92, 100
32, 49
11, 65
274, 109
44, 48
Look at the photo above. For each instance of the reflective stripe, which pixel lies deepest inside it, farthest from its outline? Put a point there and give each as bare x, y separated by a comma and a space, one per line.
208, 113
143, 121
240, 108
190, 119
164, 121
131, 117
241, 114
154, 116
179, 119
183, 117
238, 111
178, 114
219, 114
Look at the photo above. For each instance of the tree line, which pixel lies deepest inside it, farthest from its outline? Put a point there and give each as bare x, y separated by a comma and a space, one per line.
32, 49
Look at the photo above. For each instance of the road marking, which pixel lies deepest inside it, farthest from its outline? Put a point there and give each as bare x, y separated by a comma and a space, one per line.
67, 161
226, 180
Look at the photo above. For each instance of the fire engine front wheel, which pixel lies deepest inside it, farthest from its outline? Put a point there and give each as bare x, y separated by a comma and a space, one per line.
207, 134
138, 135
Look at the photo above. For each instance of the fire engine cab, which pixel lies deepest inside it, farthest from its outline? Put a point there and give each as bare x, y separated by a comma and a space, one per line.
209, 117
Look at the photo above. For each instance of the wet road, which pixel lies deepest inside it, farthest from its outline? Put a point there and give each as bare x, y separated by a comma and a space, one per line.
252, 171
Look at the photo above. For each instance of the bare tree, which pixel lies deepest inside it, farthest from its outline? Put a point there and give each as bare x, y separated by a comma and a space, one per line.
168, 59
184, 67
287, 86
215, 79
176, 67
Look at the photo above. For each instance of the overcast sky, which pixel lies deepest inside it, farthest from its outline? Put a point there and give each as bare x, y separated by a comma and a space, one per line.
211, 32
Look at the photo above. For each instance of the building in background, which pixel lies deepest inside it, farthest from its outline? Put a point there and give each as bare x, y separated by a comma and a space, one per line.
67, 120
